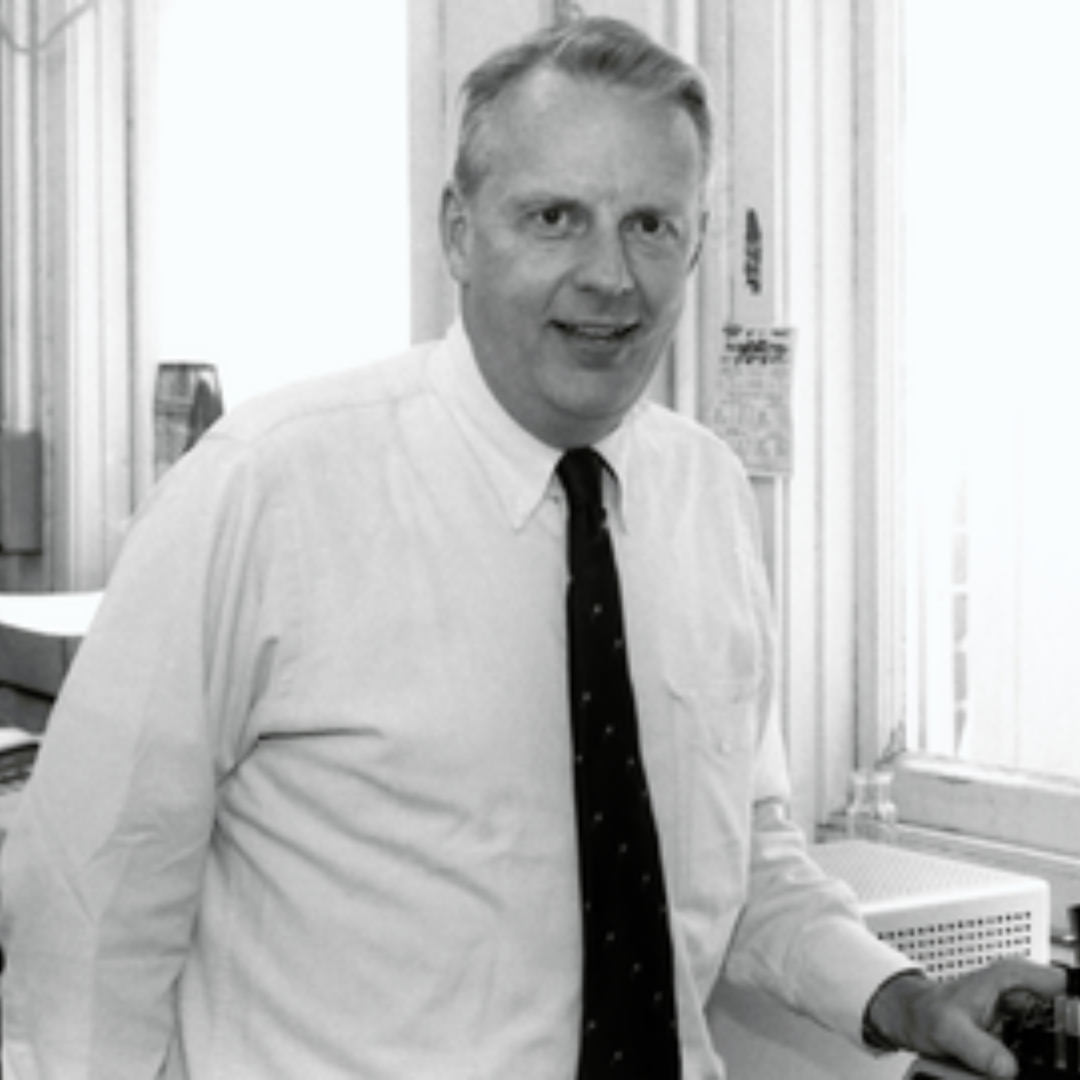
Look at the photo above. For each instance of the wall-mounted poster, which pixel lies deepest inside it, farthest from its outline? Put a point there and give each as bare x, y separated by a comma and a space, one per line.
752, 409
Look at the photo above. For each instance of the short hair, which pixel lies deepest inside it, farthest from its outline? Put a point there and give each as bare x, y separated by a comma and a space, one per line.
602, 50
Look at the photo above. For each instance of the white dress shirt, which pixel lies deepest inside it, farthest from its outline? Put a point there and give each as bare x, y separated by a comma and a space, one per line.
305, 806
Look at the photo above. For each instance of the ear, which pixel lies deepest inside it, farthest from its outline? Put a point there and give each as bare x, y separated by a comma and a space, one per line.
455, 229
703, 229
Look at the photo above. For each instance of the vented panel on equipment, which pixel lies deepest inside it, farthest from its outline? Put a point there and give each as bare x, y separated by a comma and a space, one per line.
948, 916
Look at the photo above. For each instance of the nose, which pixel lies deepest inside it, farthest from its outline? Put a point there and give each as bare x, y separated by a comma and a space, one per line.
602, 266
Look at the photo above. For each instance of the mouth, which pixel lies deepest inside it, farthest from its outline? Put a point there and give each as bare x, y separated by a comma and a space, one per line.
597, 333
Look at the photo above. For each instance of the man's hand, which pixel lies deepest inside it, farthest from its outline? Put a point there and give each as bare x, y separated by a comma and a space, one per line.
960, 1020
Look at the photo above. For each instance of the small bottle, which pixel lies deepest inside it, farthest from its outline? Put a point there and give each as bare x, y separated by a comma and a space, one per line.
871, 812
187, 401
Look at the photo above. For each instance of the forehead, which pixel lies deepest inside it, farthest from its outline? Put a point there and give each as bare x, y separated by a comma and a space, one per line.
585, 138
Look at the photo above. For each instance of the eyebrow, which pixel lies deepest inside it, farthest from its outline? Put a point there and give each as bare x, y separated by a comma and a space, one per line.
520, 203
543, 198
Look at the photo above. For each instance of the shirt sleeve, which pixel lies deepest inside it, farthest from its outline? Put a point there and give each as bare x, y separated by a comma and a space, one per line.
800, 936
102, 869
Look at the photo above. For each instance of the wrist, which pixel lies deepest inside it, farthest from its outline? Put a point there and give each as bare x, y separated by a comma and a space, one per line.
885, 1014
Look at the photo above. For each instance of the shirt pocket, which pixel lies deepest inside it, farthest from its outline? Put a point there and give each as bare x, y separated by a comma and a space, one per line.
715, 729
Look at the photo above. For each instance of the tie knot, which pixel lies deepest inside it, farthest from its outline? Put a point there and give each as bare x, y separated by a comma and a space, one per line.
580, 472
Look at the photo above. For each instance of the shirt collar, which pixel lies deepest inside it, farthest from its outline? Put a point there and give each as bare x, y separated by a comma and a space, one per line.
616, 450
520, 467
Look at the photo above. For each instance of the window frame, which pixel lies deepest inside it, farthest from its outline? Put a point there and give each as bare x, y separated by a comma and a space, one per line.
75, 334
1016, 818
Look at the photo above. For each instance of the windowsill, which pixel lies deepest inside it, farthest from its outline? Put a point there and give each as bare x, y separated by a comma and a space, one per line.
1020, 808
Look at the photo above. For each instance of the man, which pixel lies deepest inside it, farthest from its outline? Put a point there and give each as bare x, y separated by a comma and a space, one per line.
309, 804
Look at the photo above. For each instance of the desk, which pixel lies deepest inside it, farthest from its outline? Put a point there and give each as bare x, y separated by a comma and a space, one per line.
759, 1039
39, 634
63, 615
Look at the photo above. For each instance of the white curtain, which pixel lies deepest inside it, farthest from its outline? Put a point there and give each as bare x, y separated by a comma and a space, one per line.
70, 336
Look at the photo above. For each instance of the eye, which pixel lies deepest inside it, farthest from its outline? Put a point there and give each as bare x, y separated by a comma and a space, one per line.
555, 221
553, 216
653, 229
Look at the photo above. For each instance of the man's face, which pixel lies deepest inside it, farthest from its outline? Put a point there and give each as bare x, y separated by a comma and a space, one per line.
573, 255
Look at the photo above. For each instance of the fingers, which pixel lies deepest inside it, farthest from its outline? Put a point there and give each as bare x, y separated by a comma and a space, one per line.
1003, 988
981, 1052
1016, 973
977, 1003
959, 1019
1042, 979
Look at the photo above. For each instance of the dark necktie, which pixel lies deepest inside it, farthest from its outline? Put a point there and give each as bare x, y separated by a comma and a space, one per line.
628, 1022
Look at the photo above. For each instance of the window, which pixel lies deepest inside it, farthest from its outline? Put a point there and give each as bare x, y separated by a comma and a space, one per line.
283, 188
991, 369
71, 242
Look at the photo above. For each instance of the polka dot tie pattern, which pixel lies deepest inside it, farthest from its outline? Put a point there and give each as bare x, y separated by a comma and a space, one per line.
629, 1028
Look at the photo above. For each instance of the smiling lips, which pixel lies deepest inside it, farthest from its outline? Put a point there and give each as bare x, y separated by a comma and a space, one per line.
599, 333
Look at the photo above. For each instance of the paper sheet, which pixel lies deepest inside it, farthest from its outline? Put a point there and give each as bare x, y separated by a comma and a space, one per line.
752, 410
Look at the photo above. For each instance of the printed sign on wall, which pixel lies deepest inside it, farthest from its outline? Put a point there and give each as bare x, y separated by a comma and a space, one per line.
752, 410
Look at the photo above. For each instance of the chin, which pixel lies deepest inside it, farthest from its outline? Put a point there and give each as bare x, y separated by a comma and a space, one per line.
603, 409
